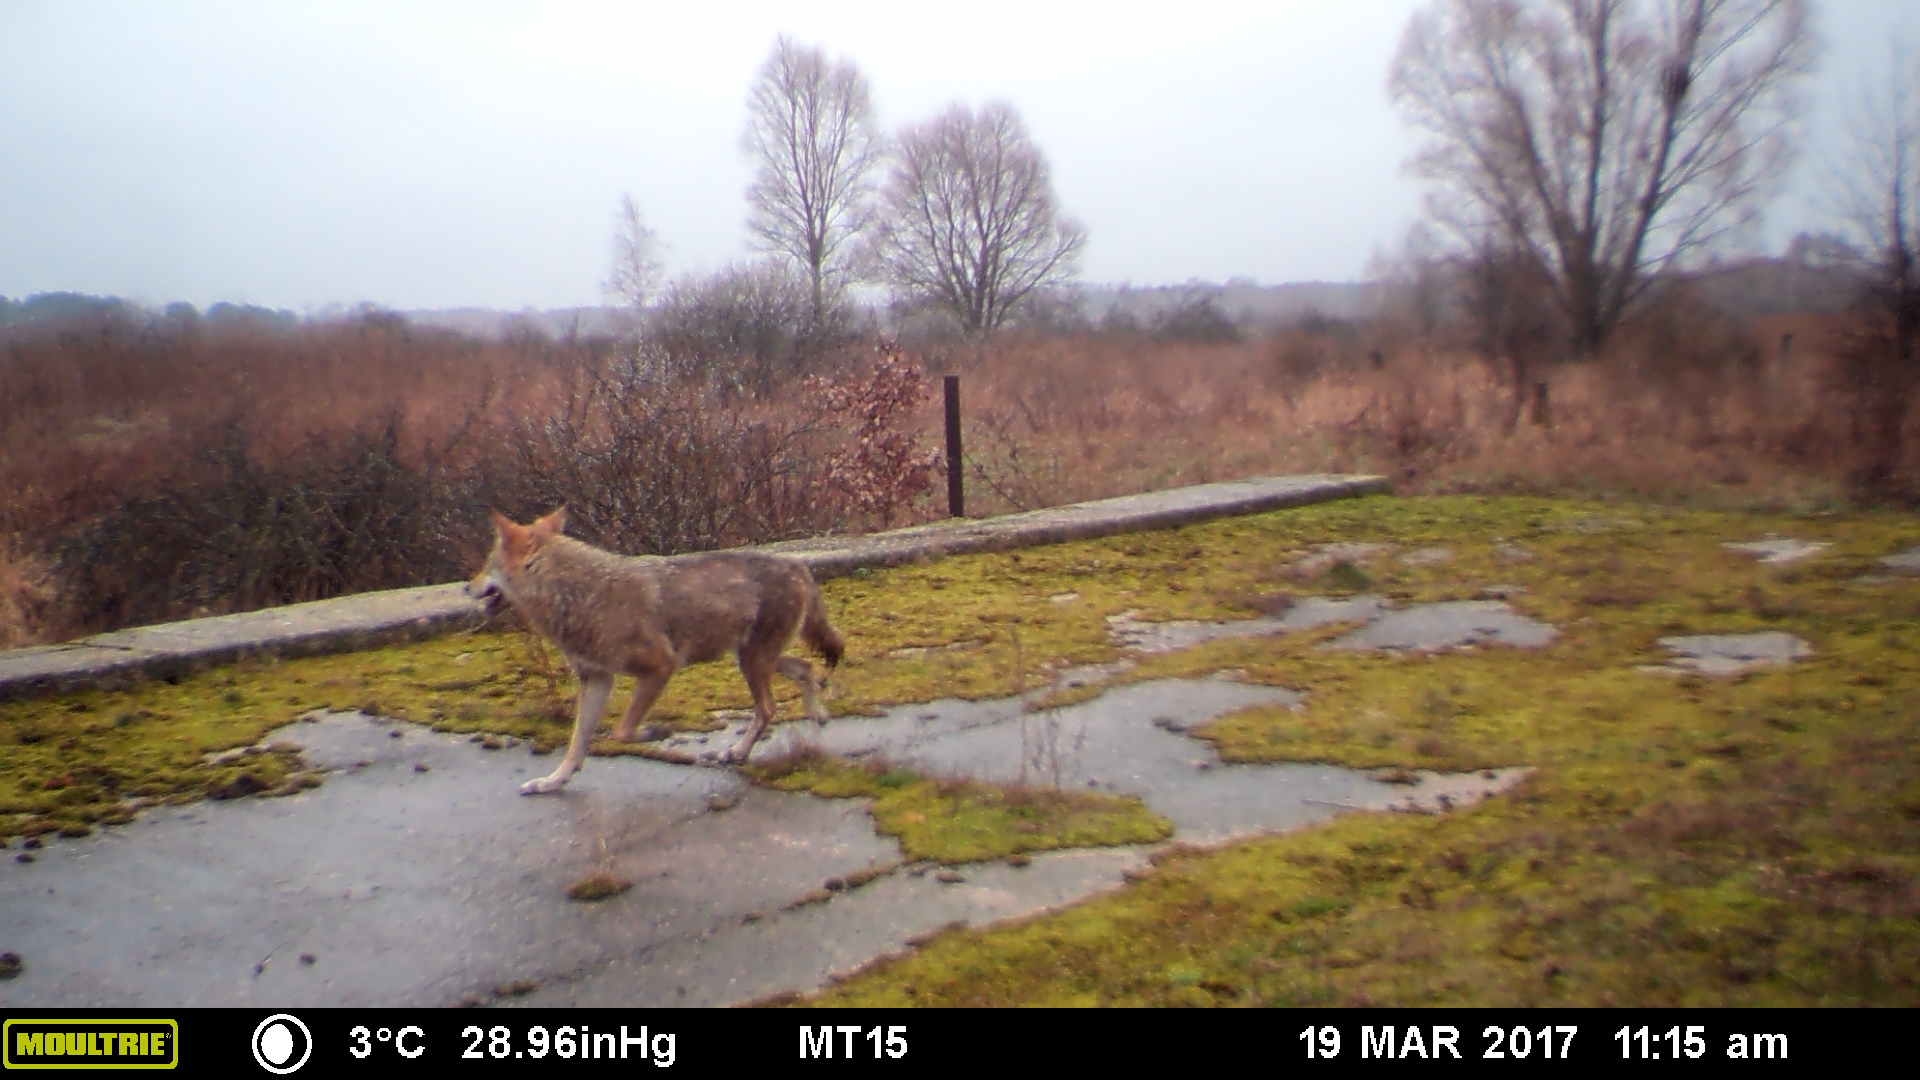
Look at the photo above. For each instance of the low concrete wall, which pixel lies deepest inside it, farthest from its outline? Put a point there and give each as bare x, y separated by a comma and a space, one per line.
370, 619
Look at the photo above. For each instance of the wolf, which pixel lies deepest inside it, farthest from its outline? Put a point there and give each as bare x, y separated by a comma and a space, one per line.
649, 616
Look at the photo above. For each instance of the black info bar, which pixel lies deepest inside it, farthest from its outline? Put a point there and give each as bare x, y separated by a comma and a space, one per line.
282, 1042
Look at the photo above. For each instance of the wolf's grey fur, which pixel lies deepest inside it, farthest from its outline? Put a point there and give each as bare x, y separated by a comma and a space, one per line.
649, 617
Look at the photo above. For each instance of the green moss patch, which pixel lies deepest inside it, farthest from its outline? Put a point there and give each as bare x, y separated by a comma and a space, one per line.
956, 821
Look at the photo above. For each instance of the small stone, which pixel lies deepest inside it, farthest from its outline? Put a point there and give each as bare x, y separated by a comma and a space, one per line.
420, 766
950, 877
307, 958
10, 964
720, 803
25, 856
32, 842
1019, 859
395, 733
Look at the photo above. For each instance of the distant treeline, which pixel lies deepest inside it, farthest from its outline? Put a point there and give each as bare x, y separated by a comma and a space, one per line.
69, 308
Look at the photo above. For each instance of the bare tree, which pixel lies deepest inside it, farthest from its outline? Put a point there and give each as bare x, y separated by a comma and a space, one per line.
1605, 139
636, 259
1877, 184
810, 124
970, 222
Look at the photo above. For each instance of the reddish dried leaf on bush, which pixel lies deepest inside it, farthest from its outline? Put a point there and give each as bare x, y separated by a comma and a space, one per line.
884, 469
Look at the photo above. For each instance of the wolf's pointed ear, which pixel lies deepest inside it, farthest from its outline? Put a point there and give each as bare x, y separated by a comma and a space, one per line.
552, 525
515, 540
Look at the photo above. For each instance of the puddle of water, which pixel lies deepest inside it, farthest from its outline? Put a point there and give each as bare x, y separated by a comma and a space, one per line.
1421, 628
1428, 627
1127, 631
421, 888
408, 888
1132, 740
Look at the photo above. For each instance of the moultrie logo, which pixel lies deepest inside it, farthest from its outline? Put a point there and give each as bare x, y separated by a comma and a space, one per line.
143, 1043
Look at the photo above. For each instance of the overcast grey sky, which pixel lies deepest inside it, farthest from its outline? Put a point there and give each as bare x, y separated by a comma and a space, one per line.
303, 155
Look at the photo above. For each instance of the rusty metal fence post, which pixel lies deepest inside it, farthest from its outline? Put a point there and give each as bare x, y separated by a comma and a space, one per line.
956, 498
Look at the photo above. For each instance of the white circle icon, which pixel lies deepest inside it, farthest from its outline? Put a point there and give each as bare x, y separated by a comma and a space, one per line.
275, 1043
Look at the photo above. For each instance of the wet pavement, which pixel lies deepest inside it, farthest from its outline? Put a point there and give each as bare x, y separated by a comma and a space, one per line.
1730, 654
1450, 625
392, 884
1127, 631
1420, 628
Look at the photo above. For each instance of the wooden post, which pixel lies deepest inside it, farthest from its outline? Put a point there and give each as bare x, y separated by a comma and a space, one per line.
956, 499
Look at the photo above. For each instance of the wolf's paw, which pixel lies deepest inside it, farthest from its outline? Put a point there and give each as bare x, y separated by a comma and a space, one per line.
735, 756
546, 785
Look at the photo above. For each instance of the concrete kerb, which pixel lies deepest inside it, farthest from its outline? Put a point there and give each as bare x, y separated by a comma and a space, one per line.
368, 620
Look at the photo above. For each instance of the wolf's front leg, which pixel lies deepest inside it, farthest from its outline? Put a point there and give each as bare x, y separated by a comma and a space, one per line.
593, 704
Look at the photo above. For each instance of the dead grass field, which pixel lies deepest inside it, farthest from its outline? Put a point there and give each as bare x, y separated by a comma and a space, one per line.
155, 473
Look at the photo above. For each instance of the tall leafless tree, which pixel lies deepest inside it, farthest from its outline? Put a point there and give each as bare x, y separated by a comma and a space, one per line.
810, 124
636, 259
1604, 139
1876, 182
970, 222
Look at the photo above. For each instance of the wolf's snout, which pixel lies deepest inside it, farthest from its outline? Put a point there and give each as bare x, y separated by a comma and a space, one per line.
488, 594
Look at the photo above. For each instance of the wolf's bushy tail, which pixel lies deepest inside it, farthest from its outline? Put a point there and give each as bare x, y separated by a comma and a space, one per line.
817, 632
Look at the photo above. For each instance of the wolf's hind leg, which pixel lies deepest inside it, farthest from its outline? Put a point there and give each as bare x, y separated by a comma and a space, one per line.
759, 681
645, 693
593, 705
801, 672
